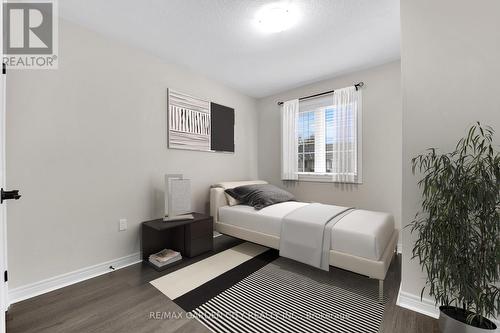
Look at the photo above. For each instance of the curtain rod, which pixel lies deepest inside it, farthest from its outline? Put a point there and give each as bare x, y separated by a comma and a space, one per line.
357, 86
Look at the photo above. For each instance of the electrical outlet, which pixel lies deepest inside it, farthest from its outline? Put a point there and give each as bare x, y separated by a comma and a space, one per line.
123, 224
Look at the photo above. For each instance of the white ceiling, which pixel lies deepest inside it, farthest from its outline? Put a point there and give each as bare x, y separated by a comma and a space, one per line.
218, 39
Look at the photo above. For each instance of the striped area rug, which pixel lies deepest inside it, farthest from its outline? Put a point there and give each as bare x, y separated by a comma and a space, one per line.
285, 296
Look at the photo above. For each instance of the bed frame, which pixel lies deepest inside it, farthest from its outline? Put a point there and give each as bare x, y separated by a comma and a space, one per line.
371, 268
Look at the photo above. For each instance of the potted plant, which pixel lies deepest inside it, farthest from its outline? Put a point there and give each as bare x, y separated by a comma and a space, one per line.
458, 229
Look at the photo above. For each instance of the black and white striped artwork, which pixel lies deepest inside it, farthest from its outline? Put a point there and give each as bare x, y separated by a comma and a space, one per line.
189, 123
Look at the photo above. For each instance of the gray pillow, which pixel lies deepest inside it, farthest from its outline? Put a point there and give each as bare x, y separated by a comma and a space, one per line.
260, 195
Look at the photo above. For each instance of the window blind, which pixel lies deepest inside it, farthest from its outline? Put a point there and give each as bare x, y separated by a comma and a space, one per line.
312, 130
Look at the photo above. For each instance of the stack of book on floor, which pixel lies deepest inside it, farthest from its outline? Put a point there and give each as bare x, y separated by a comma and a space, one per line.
164, 257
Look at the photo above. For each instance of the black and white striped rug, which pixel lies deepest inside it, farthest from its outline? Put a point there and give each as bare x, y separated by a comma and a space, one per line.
273, 294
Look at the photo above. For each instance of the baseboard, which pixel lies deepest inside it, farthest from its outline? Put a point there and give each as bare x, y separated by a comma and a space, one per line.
400, 246
413, 302
425, 306
41, 287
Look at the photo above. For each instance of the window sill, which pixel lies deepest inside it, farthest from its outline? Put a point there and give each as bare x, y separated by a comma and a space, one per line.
322, 178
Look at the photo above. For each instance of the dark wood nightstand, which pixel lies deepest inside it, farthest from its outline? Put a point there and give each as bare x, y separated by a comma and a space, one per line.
189, 237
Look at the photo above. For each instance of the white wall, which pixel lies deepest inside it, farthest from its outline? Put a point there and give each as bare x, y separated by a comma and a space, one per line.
450, 79
381, 188
86, 146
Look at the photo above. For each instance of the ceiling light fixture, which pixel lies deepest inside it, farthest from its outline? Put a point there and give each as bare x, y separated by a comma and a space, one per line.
276, 17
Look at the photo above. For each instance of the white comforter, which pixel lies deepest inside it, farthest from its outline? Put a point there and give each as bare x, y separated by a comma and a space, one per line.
365, 234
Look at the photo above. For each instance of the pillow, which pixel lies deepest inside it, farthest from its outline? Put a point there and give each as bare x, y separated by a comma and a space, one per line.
225, 185
231, 201
260, 195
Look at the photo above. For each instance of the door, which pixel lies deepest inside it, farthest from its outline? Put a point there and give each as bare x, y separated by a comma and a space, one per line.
3, 228
4, 194
3, 252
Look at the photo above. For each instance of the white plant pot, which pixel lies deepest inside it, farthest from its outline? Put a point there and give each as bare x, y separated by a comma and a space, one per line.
448, 324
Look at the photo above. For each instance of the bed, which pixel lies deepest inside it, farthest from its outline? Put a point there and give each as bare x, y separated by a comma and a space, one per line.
364, 245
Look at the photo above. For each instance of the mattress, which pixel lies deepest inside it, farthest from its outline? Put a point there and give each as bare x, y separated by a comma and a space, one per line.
361, 233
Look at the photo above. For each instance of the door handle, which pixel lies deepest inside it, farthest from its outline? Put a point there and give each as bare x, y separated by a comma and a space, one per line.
9, 195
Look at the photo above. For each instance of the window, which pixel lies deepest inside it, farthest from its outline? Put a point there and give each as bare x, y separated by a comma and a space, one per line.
306, 141
327, 140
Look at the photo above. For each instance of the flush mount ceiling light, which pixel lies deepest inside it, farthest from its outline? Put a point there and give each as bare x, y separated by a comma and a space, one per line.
276, 17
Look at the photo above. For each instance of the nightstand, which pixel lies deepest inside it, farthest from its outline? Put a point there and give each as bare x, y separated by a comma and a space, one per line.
189, 237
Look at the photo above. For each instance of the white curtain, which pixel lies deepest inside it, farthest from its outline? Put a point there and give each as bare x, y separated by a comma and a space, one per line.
347, 104
289, 140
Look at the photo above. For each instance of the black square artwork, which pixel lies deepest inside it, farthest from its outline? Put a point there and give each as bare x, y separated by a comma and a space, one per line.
222, 129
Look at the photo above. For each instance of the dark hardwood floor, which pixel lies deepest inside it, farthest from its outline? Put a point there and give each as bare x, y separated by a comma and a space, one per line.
398, 319
122, 301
